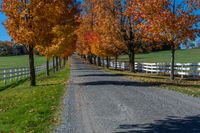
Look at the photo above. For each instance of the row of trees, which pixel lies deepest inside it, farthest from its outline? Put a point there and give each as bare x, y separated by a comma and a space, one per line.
45, 25
114, 27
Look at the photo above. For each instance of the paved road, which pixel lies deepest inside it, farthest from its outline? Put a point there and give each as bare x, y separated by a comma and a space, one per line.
100, 102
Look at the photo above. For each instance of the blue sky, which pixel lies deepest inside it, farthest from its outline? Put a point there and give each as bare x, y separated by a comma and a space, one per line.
3, 33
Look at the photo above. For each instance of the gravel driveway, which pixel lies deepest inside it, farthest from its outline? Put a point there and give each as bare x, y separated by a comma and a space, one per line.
101, 102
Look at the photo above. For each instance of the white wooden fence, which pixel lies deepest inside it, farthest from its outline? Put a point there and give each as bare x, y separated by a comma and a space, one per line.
17, 73
181, 69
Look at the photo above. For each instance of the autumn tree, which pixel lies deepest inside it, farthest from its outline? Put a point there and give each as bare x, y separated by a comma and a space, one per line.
85, 31
98, 35
46, 21
169, 21
128, 29
64, 41
20, 26
38, 23
108, 26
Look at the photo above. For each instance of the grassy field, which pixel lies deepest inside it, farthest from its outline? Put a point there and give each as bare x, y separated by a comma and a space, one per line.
19, 61
182, 56
25, 109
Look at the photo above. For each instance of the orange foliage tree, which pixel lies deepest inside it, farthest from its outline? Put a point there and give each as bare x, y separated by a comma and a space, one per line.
168, 21
117, 30
107, 26
20, 25
98, 32
38, 23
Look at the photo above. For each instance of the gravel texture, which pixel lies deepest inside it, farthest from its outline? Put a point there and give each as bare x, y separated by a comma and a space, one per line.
101, 102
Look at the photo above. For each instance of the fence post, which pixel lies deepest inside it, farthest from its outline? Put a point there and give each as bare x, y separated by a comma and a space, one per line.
10, 74
20, 73
164, 68
194, 70
4, 76
27, 72
146, 67
157, 68
182, 75
24, 72
15, 74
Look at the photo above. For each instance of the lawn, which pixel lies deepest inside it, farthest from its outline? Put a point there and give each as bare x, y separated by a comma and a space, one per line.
182, 56
19, 61
25, 109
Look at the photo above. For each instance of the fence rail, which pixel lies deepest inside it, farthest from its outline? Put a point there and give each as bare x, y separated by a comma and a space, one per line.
17, 73
181, 69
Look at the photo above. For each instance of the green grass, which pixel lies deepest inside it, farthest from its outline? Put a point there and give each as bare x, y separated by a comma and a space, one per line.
185, 86
19, 61
182, 56
25, 109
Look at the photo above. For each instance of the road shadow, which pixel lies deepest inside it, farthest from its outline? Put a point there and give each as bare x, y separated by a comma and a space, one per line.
166, 81
86, 68
100, 75
118, 83
169, 125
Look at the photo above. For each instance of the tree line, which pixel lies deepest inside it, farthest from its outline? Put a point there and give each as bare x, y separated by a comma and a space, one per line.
109, 28
45, 25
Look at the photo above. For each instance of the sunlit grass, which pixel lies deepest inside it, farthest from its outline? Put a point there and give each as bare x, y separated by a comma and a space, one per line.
25, 109
186, 86
19, 61
182, 56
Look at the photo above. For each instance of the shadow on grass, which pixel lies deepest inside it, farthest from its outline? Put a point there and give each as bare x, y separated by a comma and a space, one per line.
14, 84
161, 80
171, 124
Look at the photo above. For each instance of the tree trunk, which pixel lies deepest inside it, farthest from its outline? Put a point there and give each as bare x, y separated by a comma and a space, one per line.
84, 57
64, 61
47, 67
132, 59
54, 67
172, 77
32, 67
107, 62
60, 62
103, 63
116, 62
89, 57
56, 63
99, 61
95, 61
